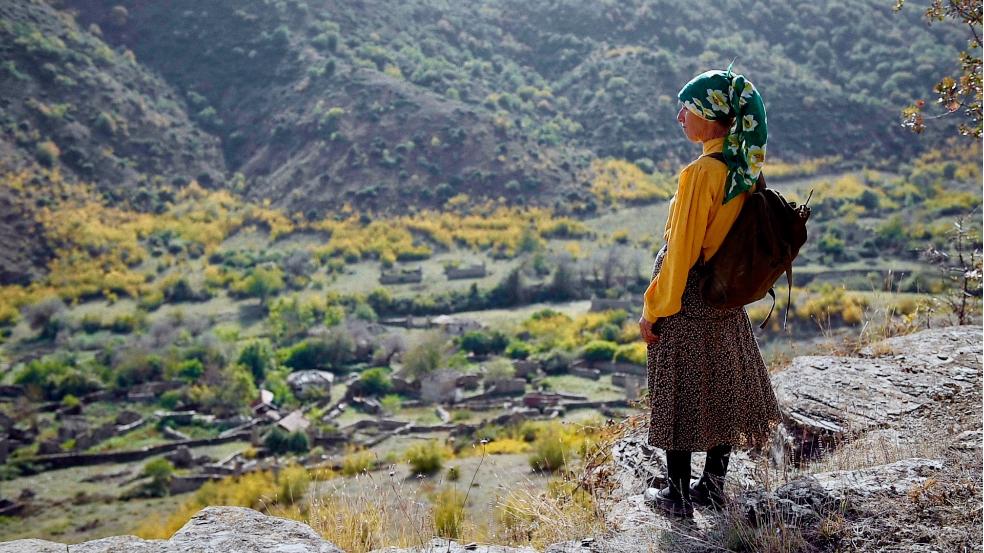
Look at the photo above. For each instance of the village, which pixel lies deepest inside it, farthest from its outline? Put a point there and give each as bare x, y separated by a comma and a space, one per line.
337, 413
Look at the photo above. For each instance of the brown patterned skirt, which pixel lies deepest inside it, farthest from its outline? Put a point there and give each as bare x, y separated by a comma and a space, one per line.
708, 384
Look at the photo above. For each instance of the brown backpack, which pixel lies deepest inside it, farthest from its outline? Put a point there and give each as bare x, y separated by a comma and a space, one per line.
759, 247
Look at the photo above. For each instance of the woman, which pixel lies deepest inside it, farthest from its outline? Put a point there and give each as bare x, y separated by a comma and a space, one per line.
708, 386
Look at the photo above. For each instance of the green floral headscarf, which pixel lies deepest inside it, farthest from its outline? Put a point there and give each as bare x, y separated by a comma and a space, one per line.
715, 95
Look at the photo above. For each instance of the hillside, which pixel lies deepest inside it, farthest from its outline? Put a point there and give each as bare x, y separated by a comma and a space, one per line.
316, 104
320, 102
72, 103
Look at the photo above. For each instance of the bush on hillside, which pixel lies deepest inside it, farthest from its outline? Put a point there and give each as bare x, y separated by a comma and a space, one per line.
599, 351
375, 382
426, 457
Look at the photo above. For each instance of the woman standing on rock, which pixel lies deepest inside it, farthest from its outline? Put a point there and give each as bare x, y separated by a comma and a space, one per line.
708, 386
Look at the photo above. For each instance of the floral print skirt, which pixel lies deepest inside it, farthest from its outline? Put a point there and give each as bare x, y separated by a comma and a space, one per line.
708, 384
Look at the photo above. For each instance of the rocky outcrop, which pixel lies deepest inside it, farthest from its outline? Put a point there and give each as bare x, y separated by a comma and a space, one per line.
890, 393
899, 383
438, 545
214, 529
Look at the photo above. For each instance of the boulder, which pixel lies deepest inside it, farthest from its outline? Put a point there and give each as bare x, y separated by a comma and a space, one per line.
827, 399
181, 457
213, 529
438, 545
807, 500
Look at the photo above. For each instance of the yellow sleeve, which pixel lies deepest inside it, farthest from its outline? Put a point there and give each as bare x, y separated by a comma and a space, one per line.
687, 225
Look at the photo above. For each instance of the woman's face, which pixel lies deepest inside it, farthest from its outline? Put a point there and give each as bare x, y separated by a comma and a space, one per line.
695, 128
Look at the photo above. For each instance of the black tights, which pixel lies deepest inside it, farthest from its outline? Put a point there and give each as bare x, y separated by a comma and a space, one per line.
678, 466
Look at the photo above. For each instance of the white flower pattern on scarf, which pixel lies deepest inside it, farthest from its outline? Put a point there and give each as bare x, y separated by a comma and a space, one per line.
718, 95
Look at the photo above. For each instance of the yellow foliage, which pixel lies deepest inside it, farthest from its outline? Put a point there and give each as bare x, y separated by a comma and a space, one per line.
620, 236
357, 461
500, 446
275, 221
554, 330
776, 169
97, 246
617, 180
457, 201
486, 226
831, 302
254, 490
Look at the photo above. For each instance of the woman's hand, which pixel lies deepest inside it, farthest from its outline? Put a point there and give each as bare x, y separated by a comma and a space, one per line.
646, 330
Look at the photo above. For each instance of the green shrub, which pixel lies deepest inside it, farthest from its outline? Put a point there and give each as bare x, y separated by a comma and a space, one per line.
391, 403
258, 358
426, 457
426, 355
55, 376
261, 283
297, 442
91, 323
160, 471
599, 350
330, 352
551, 451
518, 349
276, 441
481, 343
128, 322
365, 312
106, 124
70, 401
190, 370
170, 399
499, 369
375, 381
556, 361
47, 153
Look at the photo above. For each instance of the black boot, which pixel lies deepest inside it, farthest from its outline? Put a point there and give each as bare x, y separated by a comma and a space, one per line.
709, 490
674, 499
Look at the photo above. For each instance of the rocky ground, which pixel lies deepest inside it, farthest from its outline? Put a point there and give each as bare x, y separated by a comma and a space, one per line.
881, 452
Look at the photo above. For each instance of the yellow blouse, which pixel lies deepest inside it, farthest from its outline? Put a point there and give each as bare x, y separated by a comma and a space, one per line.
697, 224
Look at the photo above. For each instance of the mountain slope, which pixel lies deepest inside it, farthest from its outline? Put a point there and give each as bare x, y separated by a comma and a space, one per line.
564, 78
70, 102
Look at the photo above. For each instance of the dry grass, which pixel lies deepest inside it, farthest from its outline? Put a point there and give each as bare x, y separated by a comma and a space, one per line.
562, 513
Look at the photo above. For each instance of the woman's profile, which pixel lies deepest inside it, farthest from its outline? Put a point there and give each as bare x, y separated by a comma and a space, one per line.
709, 389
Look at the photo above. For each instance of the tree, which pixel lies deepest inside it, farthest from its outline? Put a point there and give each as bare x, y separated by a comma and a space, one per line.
564, 284
963, 91
426, 355
375, 382
160, 471
264, 282
258, 358
961, 270
481, 343
276, 441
